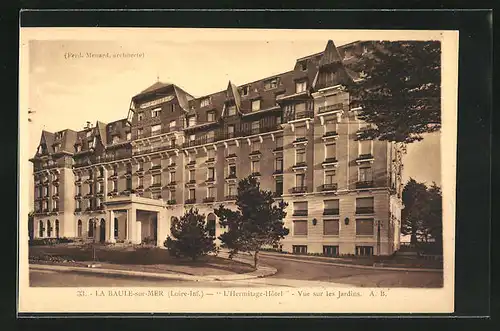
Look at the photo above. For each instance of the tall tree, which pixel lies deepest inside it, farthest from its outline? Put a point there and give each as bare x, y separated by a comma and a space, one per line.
414, 199
401, 90
434, 215
258, 220
191, 236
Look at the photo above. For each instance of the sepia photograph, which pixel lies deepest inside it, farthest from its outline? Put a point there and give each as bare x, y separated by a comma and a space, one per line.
202, 168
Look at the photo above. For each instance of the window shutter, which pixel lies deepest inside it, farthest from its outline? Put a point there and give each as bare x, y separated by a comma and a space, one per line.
331, 227
300, 227
364, 227
364, 202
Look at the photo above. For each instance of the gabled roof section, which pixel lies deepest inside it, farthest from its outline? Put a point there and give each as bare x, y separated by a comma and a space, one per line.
48, 139
330, 55
156, 86
183, 97
232, 92
101, 129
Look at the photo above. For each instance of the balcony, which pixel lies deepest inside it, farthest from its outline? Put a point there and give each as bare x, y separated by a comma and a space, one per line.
365, 158
330, 135
278, 172
330, 161
298, 116
364, 184
139, 188
299, 213
231, 156
198, 141
150, 150
128, 175
256, 174
113, 176
55, 209
78, 181
191, 164
231, 197
190, 201
155, 167
100, 178
113, 193
171, 166
299, 189
155, 185
78, 210
46, 210
210, 161
299, 165
278, 149
100, 207
255, 155
277, 194
78, 196
232, 177
191, 183
172, 183
331, 108
364, 210
210, 180
125, 193
331, 211
300, 141
171, 202
328, 187
208, 199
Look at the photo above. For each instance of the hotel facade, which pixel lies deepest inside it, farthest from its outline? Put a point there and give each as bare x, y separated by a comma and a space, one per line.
123, 182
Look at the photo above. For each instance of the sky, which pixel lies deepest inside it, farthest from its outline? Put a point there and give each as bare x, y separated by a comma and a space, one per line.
66, 92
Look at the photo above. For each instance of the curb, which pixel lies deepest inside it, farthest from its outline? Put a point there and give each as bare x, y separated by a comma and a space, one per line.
319, 260
259, 273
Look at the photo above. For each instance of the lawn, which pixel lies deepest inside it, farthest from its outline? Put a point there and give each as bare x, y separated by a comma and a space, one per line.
149, 259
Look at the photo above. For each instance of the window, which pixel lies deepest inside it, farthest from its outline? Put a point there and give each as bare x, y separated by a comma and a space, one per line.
192, 194
156, 163
79, 233
244, 90
192, 137
155, 129
171, 125
205, 102
255, 147
55, 189
364, 205
78, 190
172, 195
300, 156
364, 227
140, 133
192, 174
211, 116
331, 207
300, 208
279, 186
300, 86
230, 131
172, 176
279, 96
300, 180
232, 170
116, 139
140, 116
331, 227
191, 121
255, 166
364, 250
88, 133
330, 151
231, 110
331, 250
278, 165
210, 136
330, 125
300, 132
211, 173
129, 136
156, 112
115, 185
279, 142
303, 65
56, 148
78, 148
211, 154
45, 190
156, 179
300, 228
329, 177
365, 174
255, 126
231, 190
211, 224
299, 249
271, 83
365, 147
140, 182
255, 105
172, 108
230, 150
210, 192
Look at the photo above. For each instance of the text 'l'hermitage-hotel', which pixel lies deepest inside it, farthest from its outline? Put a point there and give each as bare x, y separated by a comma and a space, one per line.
124, 181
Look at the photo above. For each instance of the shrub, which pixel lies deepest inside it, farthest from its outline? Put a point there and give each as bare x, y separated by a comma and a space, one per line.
49, 241
149, 241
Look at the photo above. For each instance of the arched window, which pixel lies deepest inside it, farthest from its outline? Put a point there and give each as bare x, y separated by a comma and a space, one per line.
211, 224
49, 229
79, 233
57, 228
41, 230
91, 229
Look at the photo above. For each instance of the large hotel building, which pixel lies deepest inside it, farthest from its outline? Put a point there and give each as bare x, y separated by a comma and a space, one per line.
124, 181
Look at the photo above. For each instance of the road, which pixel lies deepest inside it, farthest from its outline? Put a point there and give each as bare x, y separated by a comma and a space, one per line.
291, 273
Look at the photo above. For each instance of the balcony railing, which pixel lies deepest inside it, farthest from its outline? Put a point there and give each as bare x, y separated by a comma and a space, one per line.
172, 183
278, 149
199, 141
299, 189
231, 176
294, 116
155, 185
147, 150
55, 209
330, 160
255, 153
364, 184
210, 180
93, 159
171, 166
191, 182
329, 187
299, 213
171, 202
331, 211
364, 210
278, 172
230, 197
190, 201
113, 192
231, 156
299, 140
330, 134
156, 167
208, 199
78, 210
334, 107
364, 157
300, 165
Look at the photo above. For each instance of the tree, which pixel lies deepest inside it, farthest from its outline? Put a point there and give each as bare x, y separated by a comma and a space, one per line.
191, 236
31, 219
258, 220
414, 198
434, 215
400, 93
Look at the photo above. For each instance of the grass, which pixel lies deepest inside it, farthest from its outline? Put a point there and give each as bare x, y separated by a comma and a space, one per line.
149, 259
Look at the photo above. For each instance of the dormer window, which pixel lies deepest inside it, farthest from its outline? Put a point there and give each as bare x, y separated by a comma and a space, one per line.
303, 65
156, 112
116, 139
211, 116
191, 121
271, 83
256, 105
244, 90
300, 86
78, 148
89, 133
139, 116
231, 110
205, 102
129, 135
56, 148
